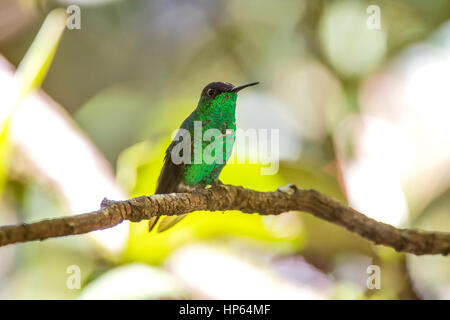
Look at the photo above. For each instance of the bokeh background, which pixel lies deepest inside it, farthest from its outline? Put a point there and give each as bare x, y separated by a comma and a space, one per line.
363, 116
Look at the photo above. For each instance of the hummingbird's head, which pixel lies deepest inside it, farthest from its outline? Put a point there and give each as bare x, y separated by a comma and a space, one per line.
214, 89
216, 93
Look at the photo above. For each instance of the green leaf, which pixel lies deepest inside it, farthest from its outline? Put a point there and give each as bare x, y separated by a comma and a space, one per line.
34, 66
30, 75
5, 150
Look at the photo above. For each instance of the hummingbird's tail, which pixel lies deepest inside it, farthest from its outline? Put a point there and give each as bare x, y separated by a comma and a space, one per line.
152, 222
166, 223
169, 222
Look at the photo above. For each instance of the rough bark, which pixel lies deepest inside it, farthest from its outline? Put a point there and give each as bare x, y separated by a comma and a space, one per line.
227, 197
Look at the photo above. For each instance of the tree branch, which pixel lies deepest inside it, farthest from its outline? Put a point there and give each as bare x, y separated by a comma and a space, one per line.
227, 197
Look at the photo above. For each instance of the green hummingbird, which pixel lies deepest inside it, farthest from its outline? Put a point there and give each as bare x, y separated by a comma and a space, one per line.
216, 109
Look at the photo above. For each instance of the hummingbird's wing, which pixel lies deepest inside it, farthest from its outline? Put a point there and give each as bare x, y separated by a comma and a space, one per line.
169, 179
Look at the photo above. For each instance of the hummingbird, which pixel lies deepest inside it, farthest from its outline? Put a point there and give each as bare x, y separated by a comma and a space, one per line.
216, 109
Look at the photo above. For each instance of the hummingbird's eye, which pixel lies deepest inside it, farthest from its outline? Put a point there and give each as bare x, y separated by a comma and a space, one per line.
210, 92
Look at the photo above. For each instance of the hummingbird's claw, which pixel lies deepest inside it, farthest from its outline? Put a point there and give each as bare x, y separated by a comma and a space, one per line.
216, 184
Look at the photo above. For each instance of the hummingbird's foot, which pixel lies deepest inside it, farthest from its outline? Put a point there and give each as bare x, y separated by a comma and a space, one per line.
216, 184
187, 188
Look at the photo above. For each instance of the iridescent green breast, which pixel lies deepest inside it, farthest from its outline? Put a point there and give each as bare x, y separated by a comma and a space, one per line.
215, 114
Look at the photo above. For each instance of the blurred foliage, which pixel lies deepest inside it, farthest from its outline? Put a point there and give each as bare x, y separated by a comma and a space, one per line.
133, 73
30, 74
5, 150
34, 66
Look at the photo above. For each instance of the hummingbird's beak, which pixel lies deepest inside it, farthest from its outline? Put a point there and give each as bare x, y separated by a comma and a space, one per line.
238, 88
